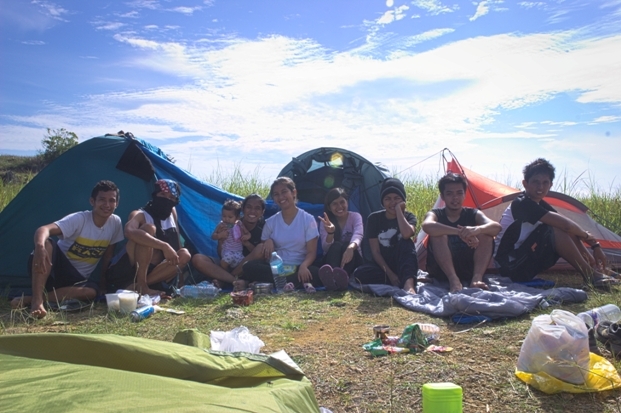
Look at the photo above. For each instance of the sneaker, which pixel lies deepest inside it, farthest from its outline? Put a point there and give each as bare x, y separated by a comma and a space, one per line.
609, 334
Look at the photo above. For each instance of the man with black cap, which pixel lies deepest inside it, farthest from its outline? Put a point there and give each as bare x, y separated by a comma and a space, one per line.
390, 233
153, 253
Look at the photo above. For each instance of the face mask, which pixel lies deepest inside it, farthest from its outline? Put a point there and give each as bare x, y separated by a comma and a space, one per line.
161, 208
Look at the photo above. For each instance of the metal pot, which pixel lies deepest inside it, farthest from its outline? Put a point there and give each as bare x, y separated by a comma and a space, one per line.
263, 288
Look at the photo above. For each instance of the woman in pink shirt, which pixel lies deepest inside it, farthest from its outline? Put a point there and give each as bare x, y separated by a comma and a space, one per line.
341, 235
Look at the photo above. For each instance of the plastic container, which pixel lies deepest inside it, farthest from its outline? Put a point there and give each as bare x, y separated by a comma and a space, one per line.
608, 312
113, 302
431, 331
278, 272
128, 302
201, 290
442, 398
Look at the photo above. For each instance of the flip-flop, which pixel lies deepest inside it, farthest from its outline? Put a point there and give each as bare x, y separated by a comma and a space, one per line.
326, 275
68, 305
605, 282
289, 287
308, 287
341, 279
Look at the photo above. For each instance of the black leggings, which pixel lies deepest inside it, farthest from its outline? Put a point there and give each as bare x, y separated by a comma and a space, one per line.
260, 271
334, 256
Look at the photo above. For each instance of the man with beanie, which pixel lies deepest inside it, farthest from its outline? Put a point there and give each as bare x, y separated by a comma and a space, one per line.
390, 233
153, 253
461, 239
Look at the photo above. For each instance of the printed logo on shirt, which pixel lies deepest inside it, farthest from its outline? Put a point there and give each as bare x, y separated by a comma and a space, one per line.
87, 250
385, 237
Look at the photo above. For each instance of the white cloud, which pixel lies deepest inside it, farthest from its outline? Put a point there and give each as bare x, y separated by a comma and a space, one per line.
389, 3
145, 4
34, 42
532, 4
434, 7
393, 15
607, 119
186, 10
52, 10
286, 96
482, 10
112, 26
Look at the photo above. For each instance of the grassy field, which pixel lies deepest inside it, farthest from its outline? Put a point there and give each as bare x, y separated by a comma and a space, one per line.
324, 332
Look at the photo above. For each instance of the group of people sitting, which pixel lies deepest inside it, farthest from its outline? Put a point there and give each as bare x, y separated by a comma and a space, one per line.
529, 239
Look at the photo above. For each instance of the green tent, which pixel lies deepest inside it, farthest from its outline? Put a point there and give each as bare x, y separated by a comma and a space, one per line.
105, 373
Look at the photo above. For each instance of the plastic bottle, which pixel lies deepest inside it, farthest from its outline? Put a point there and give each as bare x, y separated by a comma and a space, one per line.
203, 289
278, 272
608, 312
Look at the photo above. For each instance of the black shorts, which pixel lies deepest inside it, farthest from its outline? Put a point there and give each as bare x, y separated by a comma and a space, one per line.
63, 273
463, 260
534, 256
121, 273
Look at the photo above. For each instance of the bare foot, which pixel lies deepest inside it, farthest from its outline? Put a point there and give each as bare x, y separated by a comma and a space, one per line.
21, 302
456, 287
411, 291
149, 291
479, 284
38, 311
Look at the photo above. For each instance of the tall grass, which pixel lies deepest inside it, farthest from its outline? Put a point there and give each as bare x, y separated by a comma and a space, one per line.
239, 182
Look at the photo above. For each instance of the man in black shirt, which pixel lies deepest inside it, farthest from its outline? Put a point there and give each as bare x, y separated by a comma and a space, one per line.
461, 239
390, 233
534, 235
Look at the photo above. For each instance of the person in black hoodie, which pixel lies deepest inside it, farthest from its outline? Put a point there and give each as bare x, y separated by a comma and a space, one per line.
153, 253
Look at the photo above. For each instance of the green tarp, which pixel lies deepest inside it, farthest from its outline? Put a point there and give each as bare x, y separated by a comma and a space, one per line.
103, 373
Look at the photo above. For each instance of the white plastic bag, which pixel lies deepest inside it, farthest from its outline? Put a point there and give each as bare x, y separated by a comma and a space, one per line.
557, 344
238, 339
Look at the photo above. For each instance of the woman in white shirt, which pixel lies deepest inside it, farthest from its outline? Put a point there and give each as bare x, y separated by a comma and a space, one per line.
293, 234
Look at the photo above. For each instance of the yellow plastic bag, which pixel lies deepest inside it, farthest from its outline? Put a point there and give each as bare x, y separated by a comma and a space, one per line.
601, 376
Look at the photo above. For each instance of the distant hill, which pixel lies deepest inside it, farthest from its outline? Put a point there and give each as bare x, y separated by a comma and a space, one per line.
19, 169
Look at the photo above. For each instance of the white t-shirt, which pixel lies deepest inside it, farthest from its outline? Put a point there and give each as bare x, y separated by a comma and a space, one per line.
290, 240
84, 243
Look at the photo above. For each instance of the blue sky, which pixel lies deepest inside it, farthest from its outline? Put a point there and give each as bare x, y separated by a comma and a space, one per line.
250, 84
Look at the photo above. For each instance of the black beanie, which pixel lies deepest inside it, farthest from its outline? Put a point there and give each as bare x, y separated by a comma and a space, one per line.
393, 186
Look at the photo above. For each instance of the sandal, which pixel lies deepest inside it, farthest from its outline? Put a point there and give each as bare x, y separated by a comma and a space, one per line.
326, 275
605, 282
289, 287
308, 287
341, 279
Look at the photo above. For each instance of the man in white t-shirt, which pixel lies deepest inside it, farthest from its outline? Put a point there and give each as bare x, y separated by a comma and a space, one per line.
62, 268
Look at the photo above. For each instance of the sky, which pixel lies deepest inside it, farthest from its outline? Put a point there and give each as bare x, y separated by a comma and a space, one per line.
247, 85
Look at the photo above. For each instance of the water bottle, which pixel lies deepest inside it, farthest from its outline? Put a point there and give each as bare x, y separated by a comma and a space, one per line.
278, 272
203, 289
189, 291
608, 312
